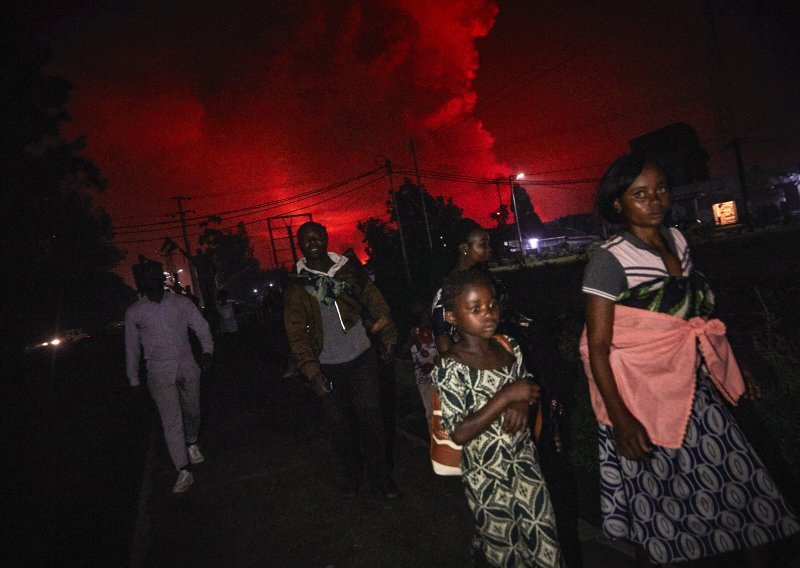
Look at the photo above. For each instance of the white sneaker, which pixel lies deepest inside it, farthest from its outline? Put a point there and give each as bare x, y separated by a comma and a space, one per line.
195, 456
185, 479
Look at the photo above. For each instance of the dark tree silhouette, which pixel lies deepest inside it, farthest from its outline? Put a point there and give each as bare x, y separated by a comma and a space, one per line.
56, 244
226, 260
529, 220
426, 263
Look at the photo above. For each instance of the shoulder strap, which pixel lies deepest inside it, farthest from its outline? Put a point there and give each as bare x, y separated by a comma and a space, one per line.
505, 342
537, 422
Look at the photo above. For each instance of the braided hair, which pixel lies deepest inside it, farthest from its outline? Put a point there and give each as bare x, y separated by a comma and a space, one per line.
457, 282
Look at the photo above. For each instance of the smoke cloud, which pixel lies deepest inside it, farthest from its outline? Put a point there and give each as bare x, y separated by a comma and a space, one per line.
239, 106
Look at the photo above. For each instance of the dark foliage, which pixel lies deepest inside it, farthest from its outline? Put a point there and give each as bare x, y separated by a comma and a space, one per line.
226, 260
56, 245
428, 263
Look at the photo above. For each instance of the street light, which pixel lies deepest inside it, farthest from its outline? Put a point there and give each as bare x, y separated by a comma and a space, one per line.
511, 179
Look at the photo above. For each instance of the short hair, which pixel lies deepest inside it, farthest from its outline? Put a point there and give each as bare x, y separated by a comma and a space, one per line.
463, 230
311, 224
457, 282
618, 178
151, 267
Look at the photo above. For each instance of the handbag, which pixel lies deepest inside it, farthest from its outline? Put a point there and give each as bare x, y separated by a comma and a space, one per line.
446, 454
537, 420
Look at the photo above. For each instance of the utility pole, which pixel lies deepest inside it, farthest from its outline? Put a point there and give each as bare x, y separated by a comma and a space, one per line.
388, 166
516, 219
725, 117
421, 194
192, 271
737, 149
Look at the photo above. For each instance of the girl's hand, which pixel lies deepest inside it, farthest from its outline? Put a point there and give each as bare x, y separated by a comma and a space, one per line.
515, 418
632, 439
521, 391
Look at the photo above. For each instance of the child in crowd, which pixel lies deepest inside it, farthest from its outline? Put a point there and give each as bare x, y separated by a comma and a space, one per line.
227, 313
485, 392
421, 345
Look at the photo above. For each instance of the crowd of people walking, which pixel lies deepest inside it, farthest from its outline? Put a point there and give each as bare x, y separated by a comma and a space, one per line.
679, 479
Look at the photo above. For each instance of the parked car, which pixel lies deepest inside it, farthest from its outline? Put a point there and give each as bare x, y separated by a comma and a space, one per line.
69, 336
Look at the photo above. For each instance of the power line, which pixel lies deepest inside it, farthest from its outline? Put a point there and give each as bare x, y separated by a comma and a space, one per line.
161, 227
254, 208
477, 180
346, 192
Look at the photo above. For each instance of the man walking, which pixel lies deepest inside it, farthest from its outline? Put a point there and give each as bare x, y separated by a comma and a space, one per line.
323, 305
160, 322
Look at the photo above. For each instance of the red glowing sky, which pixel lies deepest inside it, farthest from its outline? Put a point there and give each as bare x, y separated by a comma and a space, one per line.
239, 104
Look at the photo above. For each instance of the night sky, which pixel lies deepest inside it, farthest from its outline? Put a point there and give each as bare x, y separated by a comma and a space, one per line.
238, 104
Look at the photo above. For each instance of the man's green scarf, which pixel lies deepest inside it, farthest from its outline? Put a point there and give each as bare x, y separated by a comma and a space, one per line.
326, 288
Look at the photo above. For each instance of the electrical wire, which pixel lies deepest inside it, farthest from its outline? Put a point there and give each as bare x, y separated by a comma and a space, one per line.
346, 192
312, 192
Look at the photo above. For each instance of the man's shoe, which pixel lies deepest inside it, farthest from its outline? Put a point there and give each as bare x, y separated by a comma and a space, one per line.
195, 456
185, 479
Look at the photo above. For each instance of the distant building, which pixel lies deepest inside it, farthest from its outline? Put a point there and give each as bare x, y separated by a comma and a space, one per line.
774, 197
567, 234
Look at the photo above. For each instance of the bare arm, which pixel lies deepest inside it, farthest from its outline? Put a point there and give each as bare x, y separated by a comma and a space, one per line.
631, 437
475, 424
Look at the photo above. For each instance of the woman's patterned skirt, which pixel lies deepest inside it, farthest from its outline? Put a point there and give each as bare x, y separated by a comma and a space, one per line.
710, 496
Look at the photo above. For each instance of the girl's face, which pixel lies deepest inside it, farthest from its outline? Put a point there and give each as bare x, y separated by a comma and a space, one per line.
476, 249
475, 312
646, 201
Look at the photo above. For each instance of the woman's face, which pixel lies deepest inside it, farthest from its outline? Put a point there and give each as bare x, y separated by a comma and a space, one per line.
476, 249
645, 203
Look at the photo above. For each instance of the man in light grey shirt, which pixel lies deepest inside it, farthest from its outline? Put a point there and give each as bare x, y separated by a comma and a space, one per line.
160, 322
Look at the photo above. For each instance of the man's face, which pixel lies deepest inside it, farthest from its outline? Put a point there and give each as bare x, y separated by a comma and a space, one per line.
152, 279
313, 242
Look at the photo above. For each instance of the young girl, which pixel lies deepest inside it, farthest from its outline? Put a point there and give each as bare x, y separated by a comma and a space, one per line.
485, 395
422, 347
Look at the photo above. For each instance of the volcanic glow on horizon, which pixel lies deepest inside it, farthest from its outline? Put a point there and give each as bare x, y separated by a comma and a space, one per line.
239, 105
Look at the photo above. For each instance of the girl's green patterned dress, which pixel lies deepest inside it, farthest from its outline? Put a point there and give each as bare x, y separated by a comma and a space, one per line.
502, 480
